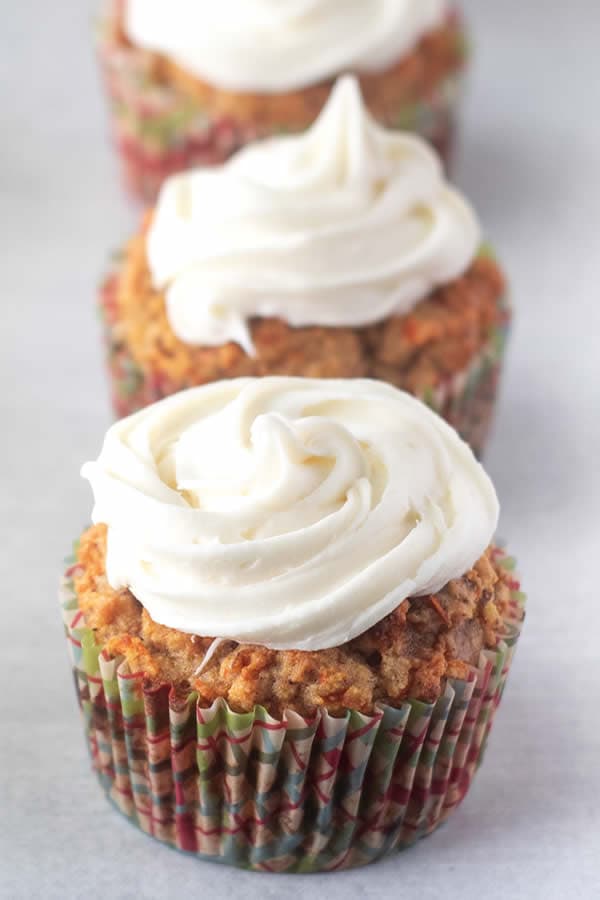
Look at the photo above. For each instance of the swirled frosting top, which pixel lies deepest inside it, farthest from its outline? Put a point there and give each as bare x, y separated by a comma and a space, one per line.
342, 226
292, 513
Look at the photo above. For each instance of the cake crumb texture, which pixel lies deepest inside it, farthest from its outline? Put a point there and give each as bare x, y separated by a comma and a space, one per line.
416, 352
409, 654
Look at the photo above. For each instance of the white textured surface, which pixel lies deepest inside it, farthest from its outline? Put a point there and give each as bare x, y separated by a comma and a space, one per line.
530, 162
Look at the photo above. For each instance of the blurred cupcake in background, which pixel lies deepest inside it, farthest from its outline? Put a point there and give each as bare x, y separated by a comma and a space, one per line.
290, 628
191, 82
341, 252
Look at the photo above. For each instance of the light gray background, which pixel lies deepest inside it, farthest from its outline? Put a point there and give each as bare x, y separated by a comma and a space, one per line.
530, 162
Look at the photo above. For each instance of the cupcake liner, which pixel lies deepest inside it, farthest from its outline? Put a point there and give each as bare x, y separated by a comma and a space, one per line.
466, 399
289, 795
159, 129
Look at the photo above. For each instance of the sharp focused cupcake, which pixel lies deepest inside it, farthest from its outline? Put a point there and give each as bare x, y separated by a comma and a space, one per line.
339, 253
191, 82
290, 629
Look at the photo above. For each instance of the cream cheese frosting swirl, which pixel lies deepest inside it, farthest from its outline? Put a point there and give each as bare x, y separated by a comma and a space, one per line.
287, 512
342, 226
279, 45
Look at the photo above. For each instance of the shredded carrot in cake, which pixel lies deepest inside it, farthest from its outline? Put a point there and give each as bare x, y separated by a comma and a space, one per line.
410, 653
415, 352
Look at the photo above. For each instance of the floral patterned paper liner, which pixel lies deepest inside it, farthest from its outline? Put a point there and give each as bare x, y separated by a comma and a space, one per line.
159, 130
290, 795
466, 399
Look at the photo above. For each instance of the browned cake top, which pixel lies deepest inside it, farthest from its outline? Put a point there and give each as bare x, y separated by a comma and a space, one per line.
409, 654
417, 351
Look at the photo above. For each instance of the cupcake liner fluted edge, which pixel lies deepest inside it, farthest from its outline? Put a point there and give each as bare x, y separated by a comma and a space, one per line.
290, 794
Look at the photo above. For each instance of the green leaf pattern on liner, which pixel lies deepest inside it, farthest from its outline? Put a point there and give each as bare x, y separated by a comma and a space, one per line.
291, 795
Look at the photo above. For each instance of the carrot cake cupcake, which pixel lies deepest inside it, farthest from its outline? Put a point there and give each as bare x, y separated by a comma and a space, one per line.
191, 82
339, 253
290, 627
342, 252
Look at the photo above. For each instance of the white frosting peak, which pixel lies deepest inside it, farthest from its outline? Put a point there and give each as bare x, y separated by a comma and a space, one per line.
279, 45
292, 513
342, 226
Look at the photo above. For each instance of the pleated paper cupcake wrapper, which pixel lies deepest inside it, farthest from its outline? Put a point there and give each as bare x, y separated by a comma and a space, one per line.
159, 129
466, 399
289, 795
